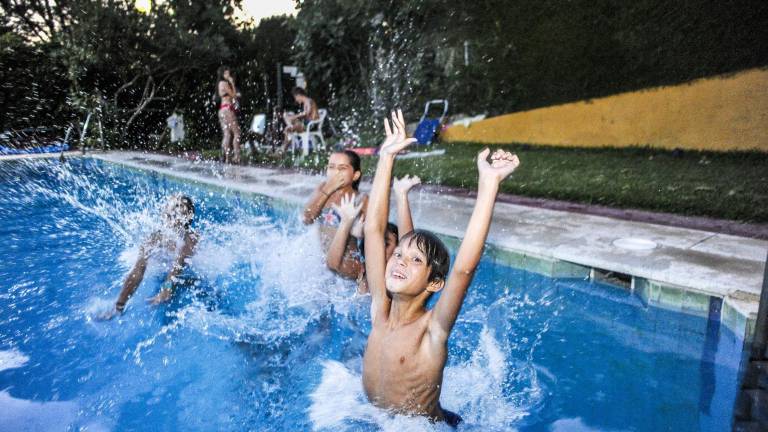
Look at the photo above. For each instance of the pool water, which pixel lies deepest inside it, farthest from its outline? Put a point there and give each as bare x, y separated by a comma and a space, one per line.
262, 337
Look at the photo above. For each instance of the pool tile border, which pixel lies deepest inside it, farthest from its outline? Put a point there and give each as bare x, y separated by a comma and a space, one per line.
650, 292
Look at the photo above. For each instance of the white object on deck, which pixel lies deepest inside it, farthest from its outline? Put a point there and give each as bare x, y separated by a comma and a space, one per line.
314, 129
632, 243
466, 121
259, 124
414, 155
176, 124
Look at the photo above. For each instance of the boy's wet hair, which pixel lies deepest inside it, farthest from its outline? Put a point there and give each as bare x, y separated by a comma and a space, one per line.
392, 228
433, 249
189, 207
354, 161
298, 91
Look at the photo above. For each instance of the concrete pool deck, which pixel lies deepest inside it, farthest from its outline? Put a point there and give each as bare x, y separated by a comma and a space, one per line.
682, 271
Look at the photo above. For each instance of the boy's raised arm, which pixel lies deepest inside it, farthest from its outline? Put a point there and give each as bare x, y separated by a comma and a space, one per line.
448, 306
378, 212
402, 186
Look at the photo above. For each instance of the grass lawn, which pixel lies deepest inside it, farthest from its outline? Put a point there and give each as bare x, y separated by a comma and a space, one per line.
722, 185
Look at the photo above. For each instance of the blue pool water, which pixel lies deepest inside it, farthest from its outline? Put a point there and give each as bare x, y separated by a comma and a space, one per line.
262, 337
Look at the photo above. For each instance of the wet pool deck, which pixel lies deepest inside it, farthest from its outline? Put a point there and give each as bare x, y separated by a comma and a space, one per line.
682, 272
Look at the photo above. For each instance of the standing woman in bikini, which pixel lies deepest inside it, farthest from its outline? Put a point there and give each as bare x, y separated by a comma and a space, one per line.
230, 142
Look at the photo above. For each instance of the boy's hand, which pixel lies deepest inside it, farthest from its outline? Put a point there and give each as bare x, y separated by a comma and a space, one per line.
347, 209
396, 139
108, 315
502, 165
163, 296
404, 184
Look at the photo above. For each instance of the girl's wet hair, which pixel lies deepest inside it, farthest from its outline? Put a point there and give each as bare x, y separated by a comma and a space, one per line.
354, 161
298, 91
433, 249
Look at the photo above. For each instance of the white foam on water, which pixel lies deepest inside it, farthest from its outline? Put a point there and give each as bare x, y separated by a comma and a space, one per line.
24, 415
293, 282
339, 403
12, 359
473, 389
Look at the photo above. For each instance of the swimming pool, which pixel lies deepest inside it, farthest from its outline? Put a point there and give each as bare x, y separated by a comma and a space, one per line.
264, 338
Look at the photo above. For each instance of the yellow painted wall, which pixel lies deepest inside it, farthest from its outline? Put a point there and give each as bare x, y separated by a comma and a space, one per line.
718, 113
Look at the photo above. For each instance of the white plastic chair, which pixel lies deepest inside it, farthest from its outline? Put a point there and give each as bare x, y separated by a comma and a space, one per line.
258, 127
314, 129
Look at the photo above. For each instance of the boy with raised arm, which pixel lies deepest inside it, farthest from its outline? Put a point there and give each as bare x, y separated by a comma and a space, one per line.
407, 347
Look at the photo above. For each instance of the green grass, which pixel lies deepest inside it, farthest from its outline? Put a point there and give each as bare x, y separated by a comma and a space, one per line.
722, 185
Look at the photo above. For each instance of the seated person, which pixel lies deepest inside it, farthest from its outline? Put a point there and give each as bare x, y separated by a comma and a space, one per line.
177, 238
297, 123
351, 224
342, 182
407, 348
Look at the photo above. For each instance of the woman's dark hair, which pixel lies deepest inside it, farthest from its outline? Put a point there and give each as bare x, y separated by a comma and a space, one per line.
298, 91
433, 249
219, 77
220, 73
354, 161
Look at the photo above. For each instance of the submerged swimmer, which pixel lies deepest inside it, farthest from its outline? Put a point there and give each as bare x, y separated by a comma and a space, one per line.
342, 183
176, 238
407, 348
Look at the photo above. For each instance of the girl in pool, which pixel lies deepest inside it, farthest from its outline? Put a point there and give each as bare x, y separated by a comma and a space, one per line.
342, 180
177, 238
351, 225
230, 128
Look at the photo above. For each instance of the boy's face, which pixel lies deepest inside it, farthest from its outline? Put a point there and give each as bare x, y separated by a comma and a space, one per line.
175, 213
407, 271
339, 164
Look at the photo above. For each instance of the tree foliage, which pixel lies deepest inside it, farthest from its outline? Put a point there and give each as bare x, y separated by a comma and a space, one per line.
136, 68
522, 54
60, 58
